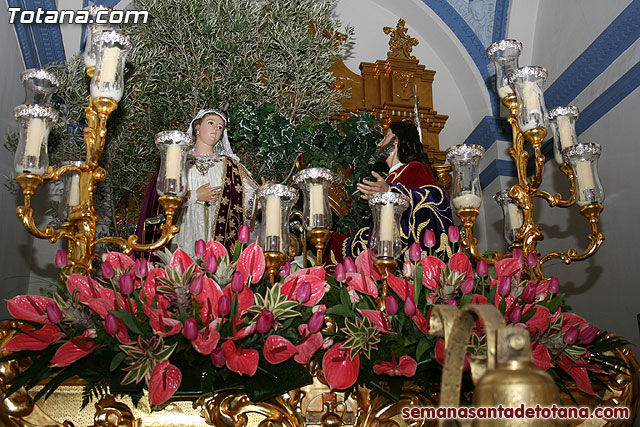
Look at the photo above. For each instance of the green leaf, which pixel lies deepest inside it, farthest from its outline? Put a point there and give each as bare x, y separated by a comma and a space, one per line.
417, 285
128, 320
423, 346
391, 387
277, 379
503, 306
466, 299
528, 315
555, 303
117, 360
338, 310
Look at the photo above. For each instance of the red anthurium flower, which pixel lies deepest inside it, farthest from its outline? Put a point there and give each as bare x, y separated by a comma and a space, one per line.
216, 249
181, 260
209, 297
242, 361
74, 350
31, 339
362, 284
339, 369
569, 320
432, 267
541, 358
422, 322
407, 366
378, 319
251, 263
87, 288
245, 298
29, 307
364, 265
149, 288
400, 286
293, 282
578, 372
207, 339
165, 380
539, 322
508, 267
119, 261
161, 322
103, 305
461, 264
278, 349
308, 348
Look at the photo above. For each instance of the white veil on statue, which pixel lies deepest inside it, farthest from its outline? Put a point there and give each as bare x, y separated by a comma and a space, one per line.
223, 146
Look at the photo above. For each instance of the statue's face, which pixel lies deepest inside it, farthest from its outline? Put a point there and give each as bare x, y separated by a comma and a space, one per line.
211, 128
386, 146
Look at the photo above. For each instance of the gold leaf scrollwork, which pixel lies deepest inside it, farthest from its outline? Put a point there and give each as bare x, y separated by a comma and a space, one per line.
400, 43
231, 408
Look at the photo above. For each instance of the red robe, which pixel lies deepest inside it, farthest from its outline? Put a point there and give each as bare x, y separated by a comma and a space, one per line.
412, 175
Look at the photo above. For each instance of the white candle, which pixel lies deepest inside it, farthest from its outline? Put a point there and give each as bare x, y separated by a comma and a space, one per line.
531, 92
584, 176
273, 216
504, 90
34, 138
515, 215
174, 157
316, 200
564, 128
74, 190
386, 222
109, 64
467, 200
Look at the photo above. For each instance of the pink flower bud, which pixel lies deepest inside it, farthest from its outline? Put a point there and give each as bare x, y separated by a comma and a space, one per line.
111, 324
140, 268
529, 293
414, 251
517, 254
244, 233
285, 270
429, 238
340, 274
224, 305
201, 248
516, 314
504, 287
349, 265
450, 301
264, 321
409, 306
126, 284
468, 285
237, 282
392, 305
53, 312
107, 270
316, 322
190, 329
61, 258
482, 268
571, 336
196, 286
588, 334
532, 259
554, 285
304, 292
217, 358
453, 234
211, 264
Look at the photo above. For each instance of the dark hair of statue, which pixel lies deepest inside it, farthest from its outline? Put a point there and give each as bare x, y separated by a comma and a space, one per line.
409, 145
197, 122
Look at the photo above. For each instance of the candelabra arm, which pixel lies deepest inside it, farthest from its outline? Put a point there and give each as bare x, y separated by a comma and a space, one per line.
470, 243
557, 199
517, 152
535, 137
596, 238
97, 114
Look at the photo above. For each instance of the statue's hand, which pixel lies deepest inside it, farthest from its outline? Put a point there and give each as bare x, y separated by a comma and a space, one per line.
207, 193
370, 187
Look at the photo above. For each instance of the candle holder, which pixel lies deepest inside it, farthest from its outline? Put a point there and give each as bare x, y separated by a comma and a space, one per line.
93, 29
562, 121
273, 262
39, 86
465, 188
111, 49
387, 208
35, 123
583, 159
527, 83
513, 216
173, 146
71, 192
316, 212
504, 54
384, 266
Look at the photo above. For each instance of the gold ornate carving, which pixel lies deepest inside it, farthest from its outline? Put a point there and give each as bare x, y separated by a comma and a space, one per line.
400, 43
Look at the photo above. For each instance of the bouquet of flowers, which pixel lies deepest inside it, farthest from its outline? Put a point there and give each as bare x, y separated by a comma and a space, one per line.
213, 322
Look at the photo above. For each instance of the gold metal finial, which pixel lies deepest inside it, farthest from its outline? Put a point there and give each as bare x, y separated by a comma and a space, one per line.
400, 43
319, 238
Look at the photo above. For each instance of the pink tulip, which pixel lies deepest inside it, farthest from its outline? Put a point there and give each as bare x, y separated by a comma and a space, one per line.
243, 233
504, 287
392, 305
468, 285
453, 234
516, 314
224, 305
316, 322
111, 324
414, 252
532, 259
588, 334
409, 306
554, 285
201, 248
529, 293
53, 312
107, 270
61, 258
140, 269
217, 357
482, 268
211, 264
190, 329
304, 292
196, 286
285, 270
571, 336
340, 273
265, 321
126, 284
349, 265
429, 238
237, 282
